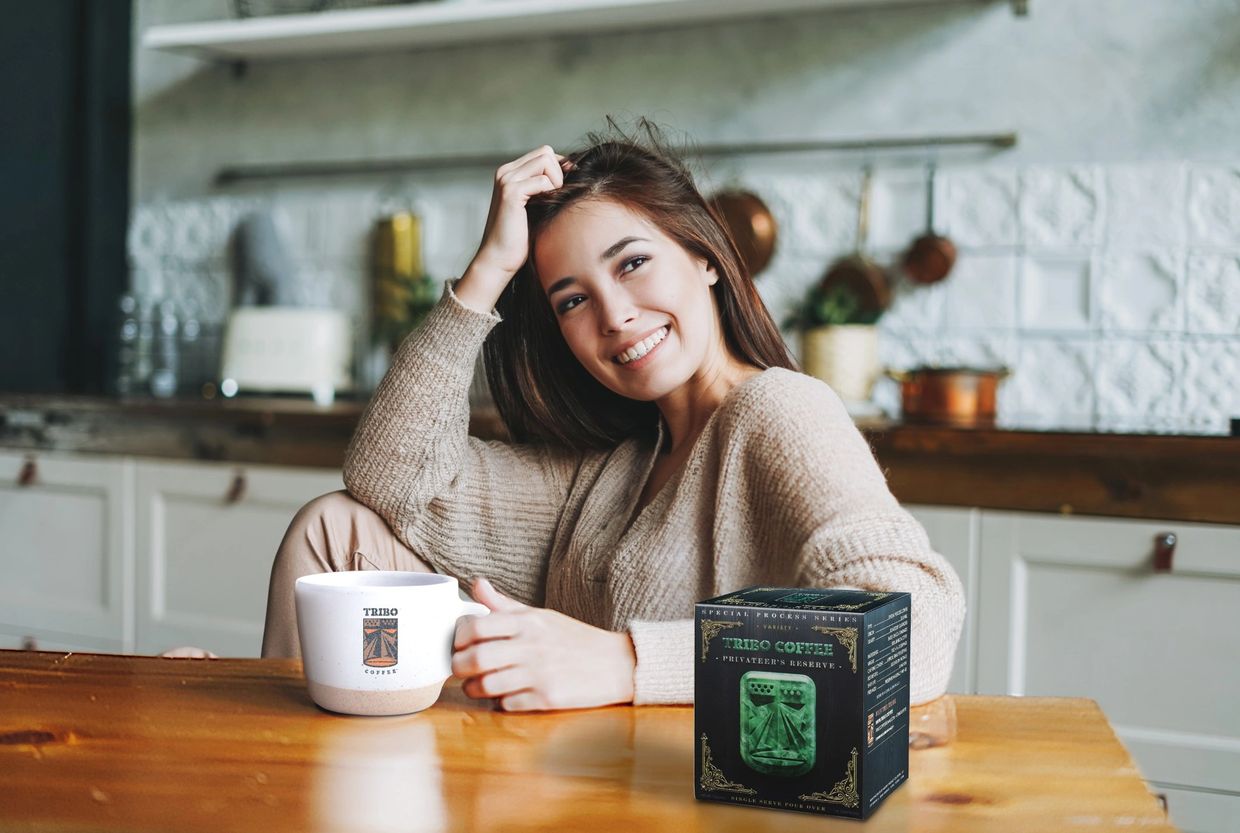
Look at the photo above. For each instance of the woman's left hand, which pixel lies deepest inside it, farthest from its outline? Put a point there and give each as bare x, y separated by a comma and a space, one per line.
532, 659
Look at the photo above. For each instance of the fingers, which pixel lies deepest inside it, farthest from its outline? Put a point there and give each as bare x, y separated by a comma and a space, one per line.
545, 152
499, 683
189, 652
484, 657
471, 629
524, 701
485, 592
539, 162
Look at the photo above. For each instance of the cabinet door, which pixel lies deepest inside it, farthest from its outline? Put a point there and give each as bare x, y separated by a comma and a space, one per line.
32, 639
953, 533
207, 534
1074, 607
66, 549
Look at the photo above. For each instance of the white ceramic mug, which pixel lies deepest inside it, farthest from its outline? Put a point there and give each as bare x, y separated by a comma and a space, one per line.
378, 641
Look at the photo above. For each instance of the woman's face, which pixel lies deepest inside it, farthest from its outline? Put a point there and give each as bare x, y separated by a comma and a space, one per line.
635, 308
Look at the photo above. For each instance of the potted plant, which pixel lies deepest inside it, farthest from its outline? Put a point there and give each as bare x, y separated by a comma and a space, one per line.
837, 322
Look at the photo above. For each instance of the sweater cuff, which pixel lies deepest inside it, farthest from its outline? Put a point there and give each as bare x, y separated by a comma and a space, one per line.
449, 292
664, 672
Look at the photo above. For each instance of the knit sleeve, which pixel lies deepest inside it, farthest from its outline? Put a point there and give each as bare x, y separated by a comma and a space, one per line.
664, 673
467, 506
811, 477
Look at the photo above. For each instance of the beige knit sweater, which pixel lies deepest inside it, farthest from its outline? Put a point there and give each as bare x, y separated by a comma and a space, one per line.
780, 488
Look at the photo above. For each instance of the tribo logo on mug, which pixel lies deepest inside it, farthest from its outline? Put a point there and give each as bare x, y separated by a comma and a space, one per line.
379, 637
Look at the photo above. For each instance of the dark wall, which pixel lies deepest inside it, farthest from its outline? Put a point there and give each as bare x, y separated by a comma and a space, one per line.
64, 189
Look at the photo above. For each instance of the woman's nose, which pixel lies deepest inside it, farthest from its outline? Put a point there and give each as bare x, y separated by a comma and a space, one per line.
615, 311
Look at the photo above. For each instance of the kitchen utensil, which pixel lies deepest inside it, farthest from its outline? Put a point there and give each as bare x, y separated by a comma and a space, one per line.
751, 224
931, 256
264, 268
856, 274
964, 397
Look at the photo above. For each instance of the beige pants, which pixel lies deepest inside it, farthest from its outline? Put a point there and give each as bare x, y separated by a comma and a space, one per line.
331, 533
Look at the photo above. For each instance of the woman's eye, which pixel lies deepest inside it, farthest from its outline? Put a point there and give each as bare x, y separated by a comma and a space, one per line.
632, 261
568, 304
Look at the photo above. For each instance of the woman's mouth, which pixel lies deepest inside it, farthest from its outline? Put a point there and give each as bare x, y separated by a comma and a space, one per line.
640, 353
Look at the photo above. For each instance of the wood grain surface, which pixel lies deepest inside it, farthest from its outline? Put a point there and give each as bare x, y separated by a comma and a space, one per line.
93, 742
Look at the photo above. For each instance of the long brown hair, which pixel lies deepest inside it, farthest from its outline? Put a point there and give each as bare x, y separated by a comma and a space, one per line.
543, 393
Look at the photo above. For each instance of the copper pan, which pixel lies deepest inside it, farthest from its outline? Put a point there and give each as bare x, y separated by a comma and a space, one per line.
931, 256
752, 227
857, 273
964, 397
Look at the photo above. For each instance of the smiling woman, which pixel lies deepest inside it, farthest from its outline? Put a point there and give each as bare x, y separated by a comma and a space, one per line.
666, 449
625, 254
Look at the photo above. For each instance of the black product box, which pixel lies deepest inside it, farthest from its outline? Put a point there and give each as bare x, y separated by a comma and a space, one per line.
801, 699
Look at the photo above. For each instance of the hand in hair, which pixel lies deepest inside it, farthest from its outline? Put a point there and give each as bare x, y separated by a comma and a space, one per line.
534, 659
506, 239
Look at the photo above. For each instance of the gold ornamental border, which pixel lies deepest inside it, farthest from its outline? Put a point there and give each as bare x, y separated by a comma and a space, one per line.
713, 777
847, 638
741, 600
712, 628
845, 790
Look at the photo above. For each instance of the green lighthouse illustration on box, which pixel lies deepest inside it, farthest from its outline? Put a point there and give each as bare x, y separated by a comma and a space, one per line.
777, 722
801, 698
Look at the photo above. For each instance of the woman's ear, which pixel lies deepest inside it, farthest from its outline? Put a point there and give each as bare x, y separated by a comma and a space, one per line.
712, 277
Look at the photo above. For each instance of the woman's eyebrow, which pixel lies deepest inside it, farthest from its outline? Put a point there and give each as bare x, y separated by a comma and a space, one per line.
609, 252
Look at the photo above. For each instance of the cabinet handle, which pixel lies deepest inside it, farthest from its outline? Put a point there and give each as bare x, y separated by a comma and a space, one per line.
29, 472
237, 490
1164, 551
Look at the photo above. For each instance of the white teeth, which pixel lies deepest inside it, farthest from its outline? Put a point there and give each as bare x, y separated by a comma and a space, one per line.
642, 348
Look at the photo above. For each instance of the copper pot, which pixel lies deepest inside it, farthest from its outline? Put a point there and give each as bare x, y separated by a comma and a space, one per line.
958, 396
752, 227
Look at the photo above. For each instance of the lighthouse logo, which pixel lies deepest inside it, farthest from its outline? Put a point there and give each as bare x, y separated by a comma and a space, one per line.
379, 636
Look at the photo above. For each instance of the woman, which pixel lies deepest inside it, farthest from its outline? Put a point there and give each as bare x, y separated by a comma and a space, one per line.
666, 450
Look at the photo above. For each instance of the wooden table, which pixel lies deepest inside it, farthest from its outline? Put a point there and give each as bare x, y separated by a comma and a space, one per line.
102, 742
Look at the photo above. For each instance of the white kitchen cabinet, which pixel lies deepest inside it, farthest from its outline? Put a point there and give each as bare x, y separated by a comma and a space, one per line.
953, 533
206, 537
35, 639
66, 550
1074, 607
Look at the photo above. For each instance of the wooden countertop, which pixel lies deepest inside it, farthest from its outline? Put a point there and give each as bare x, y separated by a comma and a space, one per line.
93, 742
1183, 478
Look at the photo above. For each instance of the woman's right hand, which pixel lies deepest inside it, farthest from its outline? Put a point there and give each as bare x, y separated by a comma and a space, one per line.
506, 239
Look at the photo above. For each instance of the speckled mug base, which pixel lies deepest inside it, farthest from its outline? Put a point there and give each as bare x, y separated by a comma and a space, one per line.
363, 702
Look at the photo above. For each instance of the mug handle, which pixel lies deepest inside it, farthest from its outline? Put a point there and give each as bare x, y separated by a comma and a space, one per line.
473, 609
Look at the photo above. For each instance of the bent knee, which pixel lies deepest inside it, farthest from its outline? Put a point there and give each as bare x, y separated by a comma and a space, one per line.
338, 504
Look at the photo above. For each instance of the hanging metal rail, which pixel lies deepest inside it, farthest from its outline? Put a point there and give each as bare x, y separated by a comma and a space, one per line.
369, 167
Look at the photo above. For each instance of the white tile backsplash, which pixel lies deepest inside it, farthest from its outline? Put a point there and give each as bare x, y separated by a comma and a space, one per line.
980, 292
1213, 294
1140, 379
981, 206
1055, 293
1060, 207
1113, 292
1052, 383
1214, 206
1145, 206
1140, 292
